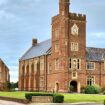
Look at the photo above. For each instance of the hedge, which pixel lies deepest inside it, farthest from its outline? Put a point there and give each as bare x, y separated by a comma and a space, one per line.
57, 98
94, 89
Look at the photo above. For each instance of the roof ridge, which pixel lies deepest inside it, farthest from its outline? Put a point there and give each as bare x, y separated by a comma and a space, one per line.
26, 52
43, 41
95, 48
37, 50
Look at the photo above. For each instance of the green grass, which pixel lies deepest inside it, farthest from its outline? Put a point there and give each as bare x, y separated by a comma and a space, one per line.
68, 98
19, 95
71, 98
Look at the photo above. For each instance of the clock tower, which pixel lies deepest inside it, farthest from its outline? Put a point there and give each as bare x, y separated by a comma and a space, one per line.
68, 56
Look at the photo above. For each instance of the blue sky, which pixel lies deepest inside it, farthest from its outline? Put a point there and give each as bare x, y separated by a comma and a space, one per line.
22, 20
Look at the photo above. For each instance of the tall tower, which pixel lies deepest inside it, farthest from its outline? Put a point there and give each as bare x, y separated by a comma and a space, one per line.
68, 57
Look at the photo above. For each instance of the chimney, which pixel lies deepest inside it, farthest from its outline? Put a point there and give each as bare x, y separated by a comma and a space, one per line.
34, 42
64, 7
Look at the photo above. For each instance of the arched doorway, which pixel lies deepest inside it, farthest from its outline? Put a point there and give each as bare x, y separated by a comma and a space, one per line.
57, 87
73, 86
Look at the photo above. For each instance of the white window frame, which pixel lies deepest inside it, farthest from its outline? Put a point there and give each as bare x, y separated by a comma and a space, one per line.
74, 46
90, 68
41, 81
49, 68
71, 61
42, 64
74, 77
91, 80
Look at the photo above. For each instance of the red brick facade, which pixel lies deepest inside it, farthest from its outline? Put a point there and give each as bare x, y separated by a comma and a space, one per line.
66, 64
4, 75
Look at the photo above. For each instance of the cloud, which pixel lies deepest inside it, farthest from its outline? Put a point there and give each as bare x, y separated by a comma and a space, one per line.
14, 73
21, 20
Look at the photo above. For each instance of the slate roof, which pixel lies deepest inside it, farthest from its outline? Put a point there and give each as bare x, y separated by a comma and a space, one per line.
37, 50
44, 48
95, 54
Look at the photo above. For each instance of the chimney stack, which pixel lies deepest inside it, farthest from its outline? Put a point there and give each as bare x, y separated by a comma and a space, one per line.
64, 7
34, 42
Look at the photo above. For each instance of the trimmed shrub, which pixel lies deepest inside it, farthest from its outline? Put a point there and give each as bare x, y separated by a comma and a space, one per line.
94, 89
104, 92
57, 98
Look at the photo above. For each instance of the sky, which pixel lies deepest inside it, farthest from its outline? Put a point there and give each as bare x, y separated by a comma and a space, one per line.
22, 20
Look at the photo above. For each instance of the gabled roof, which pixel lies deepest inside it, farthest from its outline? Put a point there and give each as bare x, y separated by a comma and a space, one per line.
44, 48
95, 54
37, 50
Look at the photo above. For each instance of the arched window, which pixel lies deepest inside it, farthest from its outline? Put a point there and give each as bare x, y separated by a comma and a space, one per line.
32, 69
23, 70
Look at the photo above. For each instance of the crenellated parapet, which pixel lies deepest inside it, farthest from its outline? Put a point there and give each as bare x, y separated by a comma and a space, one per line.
80, 17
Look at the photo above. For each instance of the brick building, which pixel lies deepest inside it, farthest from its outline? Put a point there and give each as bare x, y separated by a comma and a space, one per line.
64, 60
4, 75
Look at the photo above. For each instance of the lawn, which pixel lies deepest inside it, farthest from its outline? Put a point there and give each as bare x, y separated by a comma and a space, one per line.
71, 98
19, 95
68, 98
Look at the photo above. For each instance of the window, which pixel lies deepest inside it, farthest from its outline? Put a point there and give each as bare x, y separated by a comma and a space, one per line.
75, 63
104, 64
74, 75
57, 63
49, 68
57, 34
0, 76
0, 69
90, 80
56, 46
42, 64
27, 70
90, 65
63, 12
35, 64
32, 69
74, 46
41, 81
22, 70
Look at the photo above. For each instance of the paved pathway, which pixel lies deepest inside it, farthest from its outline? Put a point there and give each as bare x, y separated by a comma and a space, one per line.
68, 104
2, 102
